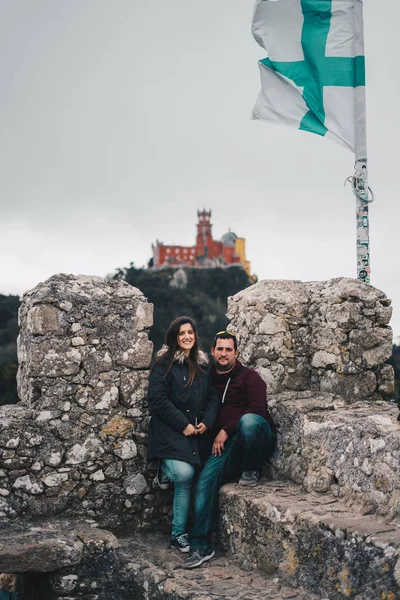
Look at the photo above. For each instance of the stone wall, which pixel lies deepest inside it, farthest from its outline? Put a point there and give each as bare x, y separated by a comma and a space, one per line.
321, 347
73, 451
76, 443
329, 336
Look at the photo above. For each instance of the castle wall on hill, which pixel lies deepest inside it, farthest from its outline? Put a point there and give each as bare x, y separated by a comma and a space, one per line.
76, 443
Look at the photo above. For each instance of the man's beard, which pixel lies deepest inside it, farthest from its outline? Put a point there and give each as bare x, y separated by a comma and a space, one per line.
224, 367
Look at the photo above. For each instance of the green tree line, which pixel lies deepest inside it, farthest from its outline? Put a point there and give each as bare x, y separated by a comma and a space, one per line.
394, 360
8, 348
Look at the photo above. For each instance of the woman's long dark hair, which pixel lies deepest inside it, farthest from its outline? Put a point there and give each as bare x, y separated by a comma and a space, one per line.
171, 340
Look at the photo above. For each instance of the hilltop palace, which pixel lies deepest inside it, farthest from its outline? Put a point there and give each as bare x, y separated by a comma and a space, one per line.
207, 252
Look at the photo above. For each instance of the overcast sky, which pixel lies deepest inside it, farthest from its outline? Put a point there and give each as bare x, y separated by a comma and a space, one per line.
119, 119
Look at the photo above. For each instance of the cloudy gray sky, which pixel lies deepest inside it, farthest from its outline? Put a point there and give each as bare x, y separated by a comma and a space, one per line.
120, 119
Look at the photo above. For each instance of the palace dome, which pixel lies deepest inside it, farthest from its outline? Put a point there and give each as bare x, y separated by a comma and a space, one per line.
229, 239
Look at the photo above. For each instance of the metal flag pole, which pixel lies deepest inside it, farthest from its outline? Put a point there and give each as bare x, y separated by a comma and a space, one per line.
361, 190
363, 199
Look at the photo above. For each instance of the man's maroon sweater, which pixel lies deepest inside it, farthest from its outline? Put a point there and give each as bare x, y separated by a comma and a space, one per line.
246, 393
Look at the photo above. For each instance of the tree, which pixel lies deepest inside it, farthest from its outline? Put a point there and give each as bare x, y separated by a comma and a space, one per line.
8, 348
198, 293
394, 360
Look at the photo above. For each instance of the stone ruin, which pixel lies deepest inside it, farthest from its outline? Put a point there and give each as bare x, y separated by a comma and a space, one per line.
77, 506
76, 442
322, 347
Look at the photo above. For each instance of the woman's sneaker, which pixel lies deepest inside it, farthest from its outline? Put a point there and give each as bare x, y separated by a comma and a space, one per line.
198, 557
181, 542
161, 480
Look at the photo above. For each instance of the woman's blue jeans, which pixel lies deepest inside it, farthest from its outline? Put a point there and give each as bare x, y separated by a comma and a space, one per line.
253, 442
181, 473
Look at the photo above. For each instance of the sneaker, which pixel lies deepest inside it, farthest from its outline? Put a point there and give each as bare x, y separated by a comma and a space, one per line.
161, 480
249, 478
180, 542
197, 557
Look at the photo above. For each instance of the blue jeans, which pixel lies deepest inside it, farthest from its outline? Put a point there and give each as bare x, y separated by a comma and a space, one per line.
181, 473
252, 443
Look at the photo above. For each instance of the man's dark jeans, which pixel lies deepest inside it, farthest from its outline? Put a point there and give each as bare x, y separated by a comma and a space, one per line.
253, 442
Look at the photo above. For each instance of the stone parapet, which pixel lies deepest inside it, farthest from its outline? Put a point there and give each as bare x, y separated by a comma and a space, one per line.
83, 338
351, 451
330, 336
76, 443
75, 447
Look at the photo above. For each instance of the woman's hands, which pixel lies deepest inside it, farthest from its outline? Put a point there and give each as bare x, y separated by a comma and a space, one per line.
201, 428
191, 430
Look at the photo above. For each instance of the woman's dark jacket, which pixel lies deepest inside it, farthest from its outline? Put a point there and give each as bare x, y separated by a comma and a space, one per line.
174, 404
4, 595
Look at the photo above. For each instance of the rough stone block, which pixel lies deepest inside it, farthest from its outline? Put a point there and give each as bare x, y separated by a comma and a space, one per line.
137, 356
117, 427
352, 451
338, 328
90, 449
37, 550
373, 347
351, 386
144, 316
53, 359
44, 319
133, 389
311, 539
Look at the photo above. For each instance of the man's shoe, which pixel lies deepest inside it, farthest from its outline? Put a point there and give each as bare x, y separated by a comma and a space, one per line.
198, 557
161, 480
180, 542
249, 478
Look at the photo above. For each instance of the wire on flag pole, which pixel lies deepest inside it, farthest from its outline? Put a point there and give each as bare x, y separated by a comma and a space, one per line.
371, 195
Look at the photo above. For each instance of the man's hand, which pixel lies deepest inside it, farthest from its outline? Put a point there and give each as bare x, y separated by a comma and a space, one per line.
219, 443
190, 430
201, 428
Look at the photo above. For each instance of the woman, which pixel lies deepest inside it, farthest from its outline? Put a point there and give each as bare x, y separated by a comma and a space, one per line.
183, 406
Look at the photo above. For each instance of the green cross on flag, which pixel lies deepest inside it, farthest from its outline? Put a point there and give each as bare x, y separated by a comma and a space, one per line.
314, 76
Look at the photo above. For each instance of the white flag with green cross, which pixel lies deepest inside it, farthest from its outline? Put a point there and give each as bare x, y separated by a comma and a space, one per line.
314, 75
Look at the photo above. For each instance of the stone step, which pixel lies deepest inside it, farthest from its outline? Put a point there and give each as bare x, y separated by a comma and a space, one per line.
50, 546
325, 445
312, 540
151, 570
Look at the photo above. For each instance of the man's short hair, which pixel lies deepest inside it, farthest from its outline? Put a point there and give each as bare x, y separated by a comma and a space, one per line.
225, 335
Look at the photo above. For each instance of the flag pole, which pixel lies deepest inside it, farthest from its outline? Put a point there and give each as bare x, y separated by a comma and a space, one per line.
360, 179
361, 192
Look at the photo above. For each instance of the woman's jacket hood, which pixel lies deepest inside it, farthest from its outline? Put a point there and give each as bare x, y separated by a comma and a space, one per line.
179, 356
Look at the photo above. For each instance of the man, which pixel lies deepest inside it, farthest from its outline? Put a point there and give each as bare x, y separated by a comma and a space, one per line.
245, 437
